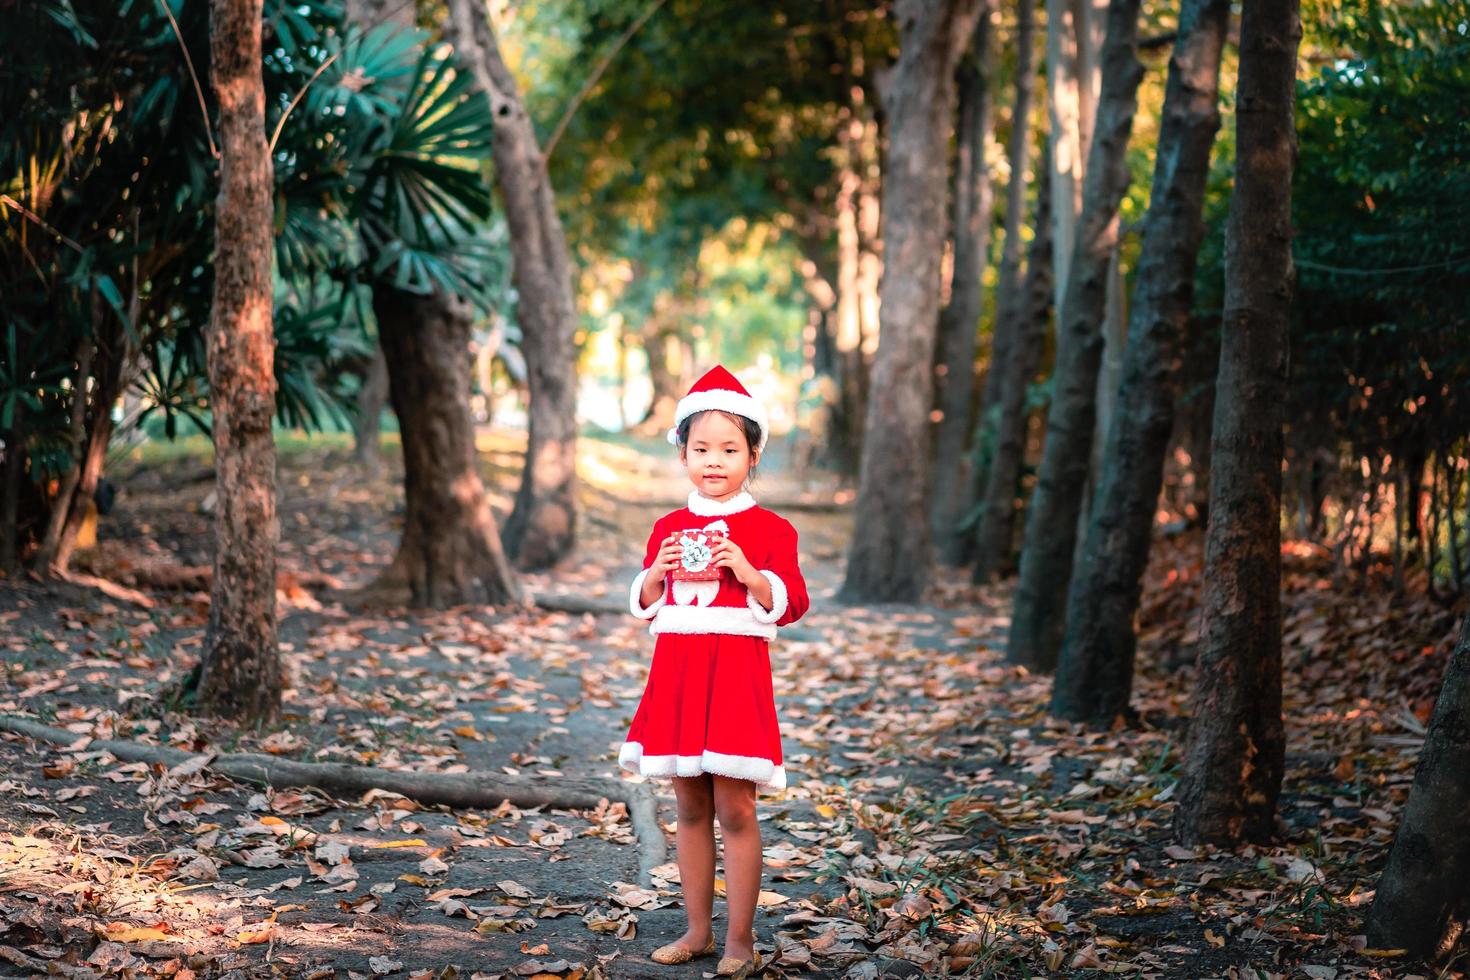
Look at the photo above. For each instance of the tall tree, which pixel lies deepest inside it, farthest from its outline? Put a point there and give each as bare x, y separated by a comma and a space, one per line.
1051, 521
1423, 898
1234, 753
958, 544
889, 559
542, 525
240, 667
1073, 73
958, 324
1028, 315
1095, 672
450, 552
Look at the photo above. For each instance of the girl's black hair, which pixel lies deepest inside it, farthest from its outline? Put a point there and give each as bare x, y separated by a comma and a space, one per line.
748, 426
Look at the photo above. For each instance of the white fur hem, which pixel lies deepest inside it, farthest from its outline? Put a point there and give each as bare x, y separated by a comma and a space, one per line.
762, 772
736, 620
778, 600
635, 594
705, 507
720, 400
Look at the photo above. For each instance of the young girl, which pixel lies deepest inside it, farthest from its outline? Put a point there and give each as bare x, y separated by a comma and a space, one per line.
708, 716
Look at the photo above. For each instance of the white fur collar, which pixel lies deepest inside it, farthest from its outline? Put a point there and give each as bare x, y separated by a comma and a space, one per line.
705, 507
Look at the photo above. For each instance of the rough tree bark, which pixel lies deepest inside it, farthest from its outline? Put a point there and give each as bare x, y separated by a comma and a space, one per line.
889, 560
542, 526
240, 668
450, 553
996, 531
960, 547
958, 324
1423, 899
1051, 521
1234, 752
1095, 672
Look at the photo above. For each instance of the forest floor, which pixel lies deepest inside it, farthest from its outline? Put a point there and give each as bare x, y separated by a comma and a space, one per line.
936, 821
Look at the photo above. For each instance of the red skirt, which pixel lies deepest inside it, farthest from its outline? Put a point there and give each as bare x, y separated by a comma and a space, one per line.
708, 707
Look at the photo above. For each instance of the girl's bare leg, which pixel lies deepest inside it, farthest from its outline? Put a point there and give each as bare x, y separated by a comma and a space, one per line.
735, 805
696, 848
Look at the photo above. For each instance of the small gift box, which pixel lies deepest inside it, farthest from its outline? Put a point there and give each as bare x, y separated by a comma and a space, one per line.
696, 561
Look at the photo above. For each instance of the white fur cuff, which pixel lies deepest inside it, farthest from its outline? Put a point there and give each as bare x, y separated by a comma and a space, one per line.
778, 600
635, 595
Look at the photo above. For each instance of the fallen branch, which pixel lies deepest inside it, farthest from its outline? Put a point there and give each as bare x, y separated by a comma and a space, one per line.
106, 587
464, 790
574, 603
197, 578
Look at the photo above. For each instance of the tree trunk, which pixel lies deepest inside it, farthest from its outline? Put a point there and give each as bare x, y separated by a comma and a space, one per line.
852, 372
541, 529
112, 371
960, 547
450, 553
1051, 521
1065, 91
367, 426
889, 560
1233, 756
1095, 674
61, 503
997, 529
666, 379
1197, 402
1109, 374
240, 667
871, 241
1423, 899
959, 323
1089, 25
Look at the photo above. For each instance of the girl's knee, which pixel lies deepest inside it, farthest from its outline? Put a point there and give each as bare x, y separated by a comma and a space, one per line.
735, 804
694, 798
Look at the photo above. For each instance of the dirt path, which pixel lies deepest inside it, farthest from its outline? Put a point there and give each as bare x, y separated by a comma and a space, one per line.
935, 822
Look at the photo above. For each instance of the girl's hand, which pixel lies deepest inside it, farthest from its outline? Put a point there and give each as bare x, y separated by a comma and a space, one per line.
727, 554
667, 558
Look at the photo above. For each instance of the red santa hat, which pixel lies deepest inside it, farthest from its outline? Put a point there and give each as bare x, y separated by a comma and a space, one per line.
720, 391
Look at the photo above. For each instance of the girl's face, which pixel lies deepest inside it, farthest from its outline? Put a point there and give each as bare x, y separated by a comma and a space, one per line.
717, 456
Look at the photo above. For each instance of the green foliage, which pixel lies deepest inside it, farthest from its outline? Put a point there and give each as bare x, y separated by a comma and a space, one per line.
712, 118
1381, 201
107, 182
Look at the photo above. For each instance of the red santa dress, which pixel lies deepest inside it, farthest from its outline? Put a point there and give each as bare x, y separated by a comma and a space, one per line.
708, 705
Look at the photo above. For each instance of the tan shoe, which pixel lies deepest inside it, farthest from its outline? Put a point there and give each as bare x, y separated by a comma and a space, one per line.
734, 966
675, 953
